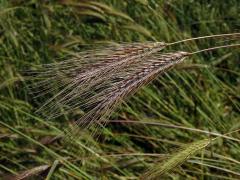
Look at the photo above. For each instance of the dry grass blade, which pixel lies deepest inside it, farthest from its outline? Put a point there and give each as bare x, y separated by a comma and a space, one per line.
29, 173
175, 160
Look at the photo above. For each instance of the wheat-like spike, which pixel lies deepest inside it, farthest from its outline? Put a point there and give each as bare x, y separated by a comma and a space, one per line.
97, 80
89, 74
102, 103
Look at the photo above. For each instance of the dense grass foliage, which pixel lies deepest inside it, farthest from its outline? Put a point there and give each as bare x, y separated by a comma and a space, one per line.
159, 127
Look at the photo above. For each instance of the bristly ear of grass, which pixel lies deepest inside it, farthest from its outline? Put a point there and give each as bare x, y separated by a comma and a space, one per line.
175, 160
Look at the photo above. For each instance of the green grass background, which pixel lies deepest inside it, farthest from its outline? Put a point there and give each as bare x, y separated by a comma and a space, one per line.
200, 95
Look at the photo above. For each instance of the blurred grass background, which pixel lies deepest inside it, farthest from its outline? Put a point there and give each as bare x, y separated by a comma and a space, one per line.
198, 96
